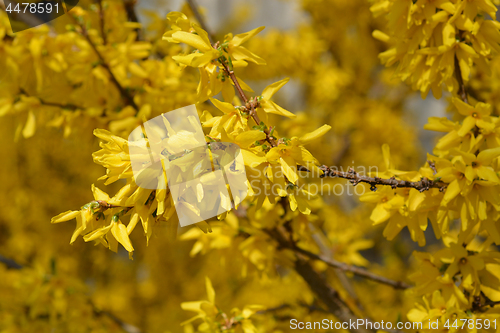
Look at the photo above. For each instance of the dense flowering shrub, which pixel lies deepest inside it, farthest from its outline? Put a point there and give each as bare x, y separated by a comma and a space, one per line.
294, 248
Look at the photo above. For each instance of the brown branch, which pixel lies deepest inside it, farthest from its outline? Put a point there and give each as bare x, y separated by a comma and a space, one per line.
132, 16
323, 244
355, 270
123, 92
101, 21
71, 107
199, 18
355, 178
250, 105
462, 92
328, 295
233, 78
8, 38
334, 263
319, 286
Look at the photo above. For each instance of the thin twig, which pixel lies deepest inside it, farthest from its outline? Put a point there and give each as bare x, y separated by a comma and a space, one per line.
123, 92
432, 165
355, 178
71, 107
317, 283
250, 105
462, 92
334, 263
101, 22
322, 242
10, 263
355, 270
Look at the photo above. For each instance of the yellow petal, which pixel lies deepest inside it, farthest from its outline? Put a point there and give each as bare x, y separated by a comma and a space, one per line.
271, 89
466, 48
271, 107
99, 194
227, 92
30, 127
438, 124
240, 53
417, 315
98, 233
449, 35
137, 70
415, 199
251, 159
242, 38
487, 173
133, 222
203, 34
119, 232
66, 216
192, 306
210, 290
78, 230
289, 168
274, 154
245, 139
107, 136
492, 293
463, 108
386, 152
380, 214
196, 59
451, 192
467, 125
223, 106
192, 40
305, 139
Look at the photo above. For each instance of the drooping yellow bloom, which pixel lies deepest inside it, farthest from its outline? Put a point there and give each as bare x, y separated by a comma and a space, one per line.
239, 53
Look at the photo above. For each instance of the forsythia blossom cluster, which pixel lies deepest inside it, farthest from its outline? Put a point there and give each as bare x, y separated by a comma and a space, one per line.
437, 45
430, 40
